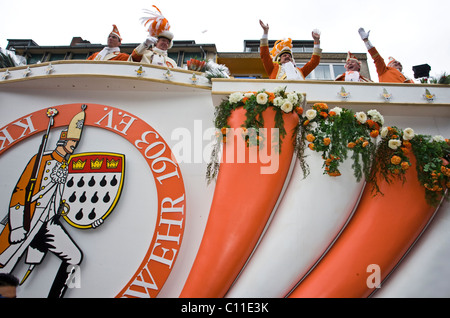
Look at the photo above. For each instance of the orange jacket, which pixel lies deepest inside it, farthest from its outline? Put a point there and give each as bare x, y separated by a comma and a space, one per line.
387, 74
272, 68
118, 56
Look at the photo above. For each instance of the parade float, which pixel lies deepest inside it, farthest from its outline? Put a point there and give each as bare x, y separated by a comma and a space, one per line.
186, 186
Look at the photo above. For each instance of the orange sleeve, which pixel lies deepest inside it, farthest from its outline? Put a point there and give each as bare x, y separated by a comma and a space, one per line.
266, 59
136, 56
311, 65
380, 65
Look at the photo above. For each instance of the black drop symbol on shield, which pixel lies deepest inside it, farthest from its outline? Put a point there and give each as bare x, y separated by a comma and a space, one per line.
79, 214
73, 197
80, 183
113, 181
103, 181
91, 215
94, 198
70, 182
83, 197
106, 198
91, 182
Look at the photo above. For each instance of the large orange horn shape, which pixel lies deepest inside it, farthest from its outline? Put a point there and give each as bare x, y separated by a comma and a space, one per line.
243, 201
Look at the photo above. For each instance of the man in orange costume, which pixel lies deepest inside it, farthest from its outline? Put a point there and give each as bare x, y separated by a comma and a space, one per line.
390, 73
112, 51
154, 49
279, 63
352, 67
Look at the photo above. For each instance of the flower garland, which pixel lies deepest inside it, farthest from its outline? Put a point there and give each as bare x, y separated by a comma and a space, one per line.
255, 103
339, 133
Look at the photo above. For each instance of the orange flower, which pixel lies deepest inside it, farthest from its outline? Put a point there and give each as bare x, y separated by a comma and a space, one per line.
374, 133
310, 137
395, 160
306, 123
299, 110
334, 174
370, 123
324, 114
271, 96
365, 144
405, 165
224, 130
332, 113
407, 144
326, 141
311, 146
351, 145
404, 150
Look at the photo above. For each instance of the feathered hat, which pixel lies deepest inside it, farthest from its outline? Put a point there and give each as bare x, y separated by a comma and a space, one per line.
158, 25
350, 56
280, 47
115, 31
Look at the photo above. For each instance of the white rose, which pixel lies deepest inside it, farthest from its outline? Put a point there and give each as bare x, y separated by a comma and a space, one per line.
261, 98
394, 144
438, 138
311, 114
236, 97
337, 110
361, 117
279, 89
248, 95
408, 134
293, 98
287, 107
384, 131
376, 116
278, 101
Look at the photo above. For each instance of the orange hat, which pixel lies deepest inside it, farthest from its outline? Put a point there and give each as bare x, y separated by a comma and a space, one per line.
159, 25
115, 31
350, 56
391, 61
280, 47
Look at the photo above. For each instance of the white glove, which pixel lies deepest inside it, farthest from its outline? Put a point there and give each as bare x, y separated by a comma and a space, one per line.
364, 35
17, 235
150, 40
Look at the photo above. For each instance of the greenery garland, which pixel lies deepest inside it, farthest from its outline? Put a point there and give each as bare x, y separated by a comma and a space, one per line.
339, 134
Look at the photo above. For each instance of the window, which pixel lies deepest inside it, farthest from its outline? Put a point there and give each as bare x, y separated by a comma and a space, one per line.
338, 70
57, 57
325, 71
35, 58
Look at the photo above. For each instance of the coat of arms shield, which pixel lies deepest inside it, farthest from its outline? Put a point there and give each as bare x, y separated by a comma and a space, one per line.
93, 187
